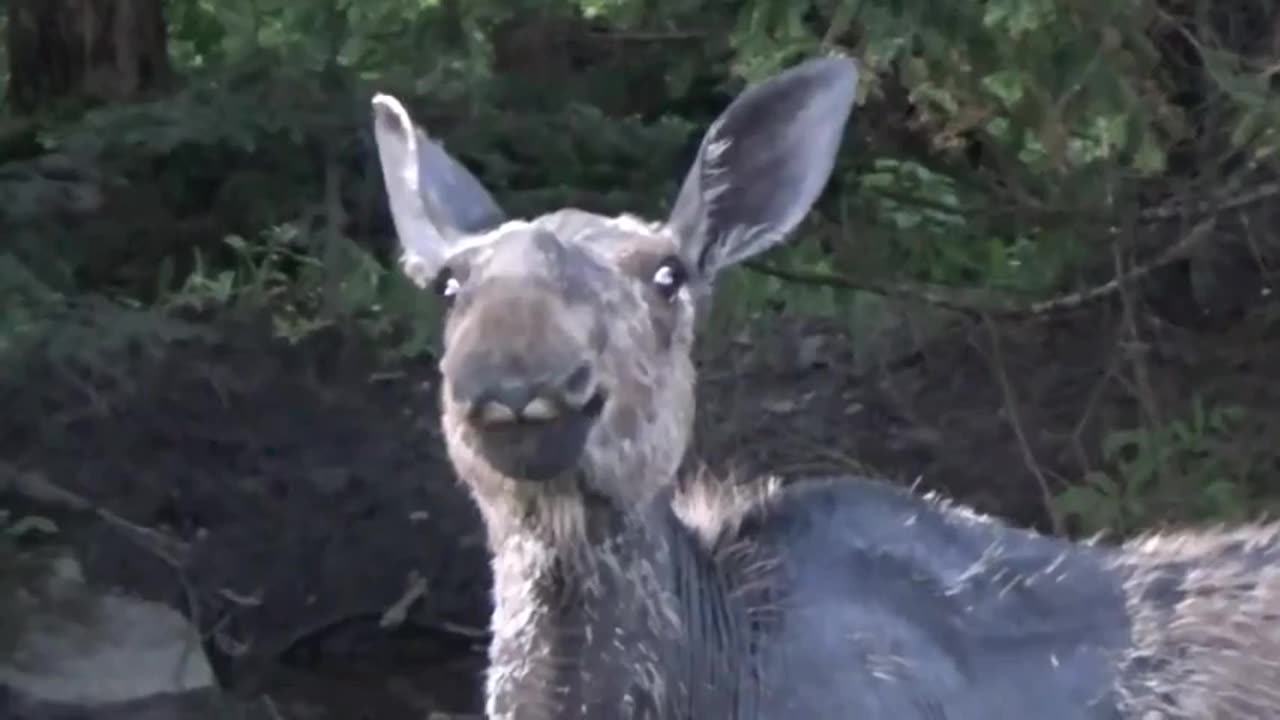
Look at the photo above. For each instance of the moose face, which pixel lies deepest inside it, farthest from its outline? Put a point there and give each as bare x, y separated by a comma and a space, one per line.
567, 373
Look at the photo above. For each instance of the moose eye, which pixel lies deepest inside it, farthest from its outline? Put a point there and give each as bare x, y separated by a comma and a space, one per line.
446, 285
669, 277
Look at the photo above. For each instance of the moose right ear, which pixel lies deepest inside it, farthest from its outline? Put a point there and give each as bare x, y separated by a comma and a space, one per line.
763, 163
435, 202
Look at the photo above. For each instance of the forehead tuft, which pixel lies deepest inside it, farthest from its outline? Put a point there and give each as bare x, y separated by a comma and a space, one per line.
638, 226
607, 238
612, 237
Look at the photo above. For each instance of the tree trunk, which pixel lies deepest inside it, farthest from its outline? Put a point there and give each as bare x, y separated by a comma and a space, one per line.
96, 50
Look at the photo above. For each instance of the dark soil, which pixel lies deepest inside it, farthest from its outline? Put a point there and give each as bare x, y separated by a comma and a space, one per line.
311, 485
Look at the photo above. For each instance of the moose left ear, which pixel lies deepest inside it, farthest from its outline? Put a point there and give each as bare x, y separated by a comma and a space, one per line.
434, 200
763, 163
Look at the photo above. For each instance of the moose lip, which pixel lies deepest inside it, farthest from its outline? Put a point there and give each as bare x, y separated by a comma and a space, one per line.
539, 450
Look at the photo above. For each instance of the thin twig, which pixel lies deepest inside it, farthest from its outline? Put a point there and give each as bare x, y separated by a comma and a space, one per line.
1091, 404
1145, 390
1028, 455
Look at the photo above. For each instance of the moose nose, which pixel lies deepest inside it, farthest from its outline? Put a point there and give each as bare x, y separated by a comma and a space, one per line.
542, 398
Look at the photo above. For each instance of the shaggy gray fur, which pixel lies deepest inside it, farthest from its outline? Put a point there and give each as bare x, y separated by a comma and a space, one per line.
620, 593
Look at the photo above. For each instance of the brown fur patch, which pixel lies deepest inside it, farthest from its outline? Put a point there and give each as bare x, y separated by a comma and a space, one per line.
1205, 606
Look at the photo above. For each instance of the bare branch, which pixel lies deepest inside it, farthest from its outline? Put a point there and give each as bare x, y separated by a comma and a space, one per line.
34, 486
978, 303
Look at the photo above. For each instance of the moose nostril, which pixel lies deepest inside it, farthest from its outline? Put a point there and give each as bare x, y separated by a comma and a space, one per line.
542, 400
494, 413
578, 382
509, 395
497, 411
540, 409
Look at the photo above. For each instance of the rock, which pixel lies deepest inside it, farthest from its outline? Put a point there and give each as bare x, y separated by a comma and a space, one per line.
73, 651
208, 704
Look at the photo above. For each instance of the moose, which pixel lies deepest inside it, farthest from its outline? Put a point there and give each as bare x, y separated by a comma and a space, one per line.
624, 587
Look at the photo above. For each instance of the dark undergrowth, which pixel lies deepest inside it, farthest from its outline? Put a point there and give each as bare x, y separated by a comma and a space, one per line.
1039, 282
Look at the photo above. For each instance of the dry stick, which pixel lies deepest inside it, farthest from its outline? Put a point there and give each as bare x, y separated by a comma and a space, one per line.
1011, 403
171, 550
398, 611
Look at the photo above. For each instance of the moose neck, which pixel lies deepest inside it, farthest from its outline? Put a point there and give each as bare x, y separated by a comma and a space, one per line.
632, 621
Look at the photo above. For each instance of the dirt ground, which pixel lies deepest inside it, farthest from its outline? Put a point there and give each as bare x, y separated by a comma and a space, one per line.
313, 491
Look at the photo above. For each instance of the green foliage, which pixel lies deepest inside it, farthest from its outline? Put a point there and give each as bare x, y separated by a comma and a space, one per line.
85, 336
347, 288
1068, 101
1191, 469
993, 143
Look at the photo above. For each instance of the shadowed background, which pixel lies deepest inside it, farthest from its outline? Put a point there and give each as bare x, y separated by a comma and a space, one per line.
1040, 281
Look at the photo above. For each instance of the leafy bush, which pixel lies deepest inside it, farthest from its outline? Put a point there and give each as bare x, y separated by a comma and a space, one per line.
1189, 470
1005, 153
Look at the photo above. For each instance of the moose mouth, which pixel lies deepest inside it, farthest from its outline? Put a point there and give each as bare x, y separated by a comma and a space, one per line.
540, 445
